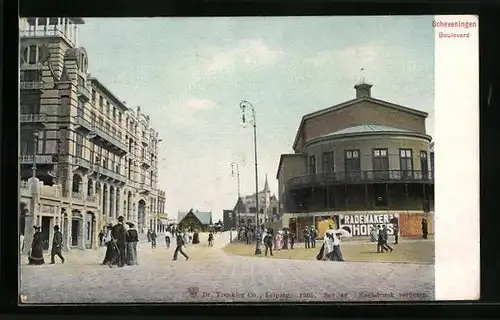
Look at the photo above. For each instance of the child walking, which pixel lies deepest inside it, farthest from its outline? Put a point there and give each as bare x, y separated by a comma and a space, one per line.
210, 239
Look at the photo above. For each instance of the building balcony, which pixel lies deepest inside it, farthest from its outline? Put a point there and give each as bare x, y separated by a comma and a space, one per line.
146, 161
31, 66
144, 187
33, 118
83, 92
360, 177
83, 163
31, 85
110, 174
96, 132
145, 139
40, 159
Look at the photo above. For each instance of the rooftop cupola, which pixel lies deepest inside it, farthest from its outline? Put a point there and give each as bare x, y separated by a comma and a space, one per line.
363, 89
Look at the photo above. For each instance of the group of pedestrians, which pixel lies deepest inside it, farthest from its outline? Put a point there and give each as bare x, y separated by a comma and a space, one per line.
330, 250
35, 255
279, 240
310, 235
121, 244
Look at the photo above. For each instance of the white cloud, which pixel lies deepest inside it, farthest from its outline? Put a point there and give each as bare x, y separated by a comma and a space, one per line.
188, 112
373, 57
249, 53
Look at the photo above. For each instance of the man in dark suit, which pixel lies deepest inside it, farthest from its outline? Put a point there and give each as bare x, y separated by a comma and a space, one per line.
178, 248
119, 236
57, 243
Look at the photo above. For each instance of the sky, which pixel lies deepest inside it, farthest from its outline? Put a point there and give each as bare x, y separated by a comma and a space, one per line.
190, 75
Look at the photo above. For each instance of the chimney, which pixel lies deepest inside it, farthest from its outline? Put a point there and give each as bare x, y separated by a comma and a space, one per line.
147, 120
363, 90
138, 111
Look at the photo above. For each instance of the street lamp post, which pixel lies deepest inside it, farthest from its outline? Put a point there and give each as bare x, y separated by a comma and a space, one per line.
243, 105
235, 165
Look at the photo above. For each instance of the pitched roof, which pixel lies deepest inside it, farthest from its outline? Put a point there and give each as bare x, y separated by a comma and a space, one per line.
350, 103
204, 217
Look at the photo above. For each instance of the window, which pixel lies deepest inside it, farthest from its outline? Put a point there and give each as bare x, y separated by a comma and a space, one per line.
114, 113
151, 179
119, 117
101, 122
312, 164
80, 110
328, 162
101, 101
108, 107
406, 162
30, 104
92, 118
27, 142
30, 76
352, 163
424, 165
93, 95
32, 54
79, 146
380, 163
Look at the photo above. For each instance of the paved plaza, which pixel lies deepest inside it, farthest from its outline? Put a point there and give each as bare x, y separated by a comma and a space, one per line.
210, 275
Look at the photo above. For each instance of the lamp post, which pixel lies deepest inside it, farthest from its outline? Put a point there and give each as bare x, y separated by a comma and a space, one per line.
235, 165
243, 105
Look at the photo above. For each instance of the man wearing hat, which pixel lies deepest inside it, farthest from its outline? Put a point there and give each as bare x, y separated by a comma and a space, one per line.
119, 236
57, 243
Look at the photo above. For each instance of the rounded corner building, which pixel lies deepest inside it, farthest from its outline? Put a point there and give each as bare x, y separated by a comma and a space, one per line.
357, 165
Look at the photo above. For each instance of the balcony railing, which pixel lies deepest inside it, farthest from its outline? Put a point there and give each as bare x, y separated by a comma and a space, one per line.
393, 176
109, 173
40, 159
83, 92
101, 132
33, 118
31, 85
83, 163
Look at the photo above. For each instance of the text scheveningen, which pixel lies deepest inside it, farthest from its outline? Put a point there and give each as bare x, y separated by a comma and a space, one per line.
363, 224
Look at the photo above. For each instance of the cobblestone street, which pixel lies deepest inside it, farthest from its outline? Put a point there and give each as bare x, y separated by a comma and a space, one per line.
218, 277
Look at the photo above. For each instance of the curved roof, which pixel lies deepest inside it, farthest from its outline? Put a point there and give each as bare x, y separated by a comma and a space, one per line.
365, 128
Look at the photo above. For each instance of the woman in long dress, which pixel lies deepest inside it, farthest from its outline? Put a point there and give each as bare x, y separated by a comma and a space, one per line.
337, 253
110, 249
328, 250
279, 241
36, 254
132, 237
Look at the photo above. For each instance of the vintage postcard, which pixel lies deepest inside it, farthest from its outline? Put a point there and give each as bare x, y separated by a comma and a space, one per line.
236, 159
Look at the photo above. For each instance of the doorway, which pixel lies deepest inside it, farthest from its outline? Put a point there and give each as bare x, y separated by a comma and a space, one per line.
75, 231
45, 232
89, 231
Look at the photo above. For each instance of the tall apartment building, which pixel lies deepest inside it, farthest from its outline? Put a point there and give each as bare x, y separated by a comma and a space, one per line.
82, 136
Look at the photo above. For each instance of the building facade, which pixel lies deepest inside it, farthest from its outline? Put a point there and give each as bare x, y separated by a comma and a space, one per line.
80, 136
358, 164
245, 207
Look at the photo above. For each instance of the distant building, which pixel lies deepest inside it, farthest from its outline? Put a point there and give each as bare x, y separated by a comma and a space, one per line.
194, 220
245, 207
357, 164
